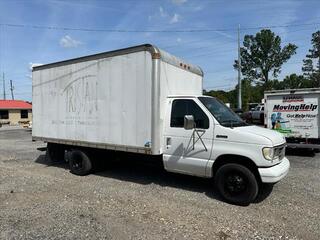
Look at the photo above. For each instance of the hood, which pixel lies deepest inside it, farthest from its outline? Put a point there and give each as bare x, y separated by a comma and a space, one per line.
275, 137
250, 135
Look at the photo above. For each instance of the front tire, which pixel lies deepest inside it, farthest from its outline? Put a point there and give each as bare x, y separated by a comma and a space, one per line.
236, 184
79, 163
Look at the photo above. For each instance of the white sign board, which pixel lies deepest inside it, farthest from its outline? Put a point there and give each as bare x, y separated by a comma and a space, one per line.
293, 115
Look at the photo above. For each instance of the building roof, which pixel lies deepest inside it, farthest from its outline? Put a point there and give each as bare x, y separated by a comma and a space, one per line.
14, 104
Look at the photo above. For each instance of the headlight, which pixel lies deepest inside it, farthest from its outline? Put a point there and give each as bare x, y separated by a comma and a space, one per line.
268, 153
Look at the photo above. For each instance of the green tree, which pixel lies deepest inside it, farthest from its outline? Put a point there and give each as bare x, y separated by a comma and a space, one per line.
262, 55
250, 94
220, 94
295, 81
311, 65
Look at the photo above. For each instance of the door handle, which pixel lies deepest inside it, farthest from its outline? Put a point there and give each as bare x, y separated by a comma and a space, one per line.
168, 142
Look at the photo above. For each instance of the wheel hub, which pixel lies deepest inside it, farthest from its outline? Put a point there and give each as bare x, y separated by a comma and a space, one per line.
235, 183
77, 164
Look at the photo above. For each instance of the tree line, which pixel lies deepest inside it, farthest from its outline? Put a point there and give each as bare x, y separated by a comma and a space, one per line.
262, 57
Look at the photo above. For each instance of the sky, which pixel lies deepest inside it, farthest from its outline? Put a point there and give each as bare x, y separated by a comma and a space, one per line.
44, 31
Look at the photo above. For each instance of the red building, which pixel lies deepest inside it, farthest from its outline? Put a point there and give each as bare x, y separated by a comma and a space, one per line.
15, 112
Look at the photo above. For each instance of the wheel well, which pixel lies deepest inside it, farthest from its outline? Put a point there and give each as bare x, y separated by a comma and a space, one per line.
238, 159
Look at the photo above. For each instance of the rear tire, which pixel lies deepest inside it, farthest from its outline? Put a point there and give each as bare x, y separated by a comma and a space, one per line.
79, 163
236, 184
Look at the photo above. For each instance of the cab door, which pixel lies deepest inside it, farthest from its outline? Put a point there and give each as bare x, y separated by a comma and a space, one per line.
183, 150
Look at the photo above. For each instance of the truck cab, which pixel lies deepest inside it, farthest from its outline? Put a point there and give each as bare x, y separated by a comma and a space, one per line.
205, 138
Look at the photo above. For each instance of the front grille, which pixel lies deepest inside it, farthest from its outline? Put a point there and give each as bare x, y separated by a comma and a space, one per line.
280, 151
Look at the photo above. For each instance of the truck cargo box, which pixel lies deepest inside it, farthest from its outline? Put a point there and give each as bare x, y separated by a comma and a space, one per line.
294, 113
112, 100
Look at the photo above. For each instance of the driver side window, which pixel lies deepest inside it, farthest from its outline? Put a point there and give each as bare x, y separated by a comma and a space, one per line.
182, 107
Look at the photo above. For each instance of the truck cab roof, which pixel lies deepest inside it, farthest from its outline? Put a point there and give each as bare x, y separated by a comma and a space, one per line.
186, 96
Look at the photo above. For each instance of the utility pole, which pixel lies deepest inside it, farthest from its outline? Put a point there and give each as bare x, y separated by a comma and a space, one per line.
4, 87
11, 89
239, 71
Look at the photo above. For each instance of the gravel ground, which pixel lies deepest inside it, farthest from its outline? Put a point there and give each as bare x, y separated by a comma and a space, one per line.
39, 200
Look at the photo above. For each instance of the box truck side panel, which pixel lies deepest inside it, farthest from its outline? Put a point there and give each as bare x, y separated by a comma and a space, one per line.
103, 101
177, 81
293, 115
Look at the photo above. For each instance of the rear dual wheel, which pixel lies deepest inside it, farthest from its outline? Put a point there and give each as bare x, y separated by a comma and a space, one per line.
236, 184
79, 162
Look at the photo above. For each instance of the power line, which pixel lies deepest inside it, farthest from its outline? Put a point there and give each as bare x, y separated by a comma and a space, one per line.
217, 48
152, 31
194, 30
218, 51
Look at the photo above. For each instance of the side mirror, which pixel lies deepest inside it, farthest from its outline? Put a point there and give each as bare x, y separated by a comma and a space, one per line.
188, 122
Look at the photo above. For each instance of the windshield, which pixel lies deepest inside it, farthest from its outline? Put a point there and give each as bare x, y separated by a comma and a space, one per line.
224, 115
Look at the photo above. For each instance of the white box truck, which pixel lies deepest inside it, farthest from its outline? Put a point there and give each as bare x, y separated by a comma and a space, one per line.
295, 114
145, 101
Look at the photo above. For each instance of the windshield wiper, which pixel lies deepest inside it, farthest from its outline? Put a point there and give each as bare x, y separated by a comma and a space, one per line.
233, 123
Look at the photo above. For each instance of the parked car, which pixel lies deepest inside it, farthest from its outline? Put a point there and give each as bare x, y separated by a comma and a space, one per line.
238, 111
257, 115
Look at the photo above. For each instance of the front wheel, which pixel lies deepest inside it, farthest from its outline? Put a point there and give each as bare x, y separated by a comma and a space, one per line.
236, 183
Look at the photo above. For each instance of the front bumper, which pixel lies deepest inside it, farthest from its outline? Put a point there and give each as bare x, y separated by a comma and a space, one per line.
275, 173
